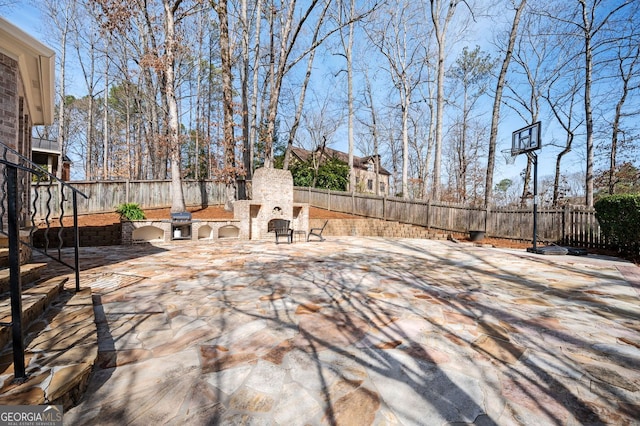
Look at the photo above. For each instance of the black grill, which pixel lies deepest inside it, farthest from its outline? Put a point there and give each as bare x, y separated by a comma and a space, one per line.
181, 218
181, 226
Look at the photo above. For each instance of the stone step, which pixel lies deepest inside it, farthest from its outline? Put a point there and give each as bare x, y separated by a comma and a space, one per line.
35, 300
4, 257
30, 273
61, 349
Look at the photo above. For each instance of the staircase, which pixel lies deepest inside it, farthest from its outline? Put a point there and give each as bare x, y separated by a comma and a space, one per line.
48, 336
60, 338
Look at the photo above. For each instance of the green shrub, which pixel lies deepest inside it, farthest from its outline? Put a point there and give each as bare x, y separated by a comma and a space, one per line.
619, 218
130, 211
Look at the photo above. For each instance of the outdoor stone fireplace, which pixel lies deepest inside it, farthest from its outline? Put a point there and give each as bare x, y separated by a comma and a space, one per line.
272, 198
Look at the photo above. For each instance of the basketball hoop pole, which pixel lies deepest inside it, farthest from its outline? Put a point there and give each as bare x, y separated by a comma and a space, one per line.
534, 159
527, 140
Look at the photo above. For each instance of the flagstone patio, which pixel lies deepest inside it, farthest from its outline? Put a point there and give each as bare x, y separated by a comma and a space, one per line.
360, 331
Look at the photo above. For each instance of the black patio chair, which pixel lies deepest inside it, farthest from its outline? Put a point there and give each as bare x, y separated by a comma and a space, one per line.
317, 232
281, 228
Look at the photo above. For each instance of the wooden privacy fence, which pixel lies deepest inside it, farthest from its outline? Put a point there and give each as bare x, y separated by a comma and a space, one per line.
574, 225
106, 196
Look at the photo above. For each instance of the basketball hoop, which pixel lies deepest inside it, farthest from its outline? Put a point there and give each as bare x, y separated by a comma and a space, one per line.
509, 158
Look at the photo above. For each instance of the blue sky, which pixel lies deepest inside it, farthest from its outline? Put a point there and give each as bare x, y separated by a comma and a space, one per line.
28, 17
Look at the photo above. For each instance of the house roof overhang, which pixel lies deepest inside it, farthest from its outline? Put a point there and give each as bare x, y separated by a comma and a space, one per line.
36, 63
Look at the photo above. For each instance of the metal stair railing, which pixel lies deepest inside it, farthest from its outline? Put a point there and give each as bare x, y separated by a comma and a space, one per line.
17, 174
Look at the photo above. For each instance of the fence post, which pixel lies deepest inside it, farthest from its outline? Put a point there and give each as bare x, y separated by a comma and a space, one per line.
353, 202
384, 207
487, 212
126, 191
565, 223
76, 240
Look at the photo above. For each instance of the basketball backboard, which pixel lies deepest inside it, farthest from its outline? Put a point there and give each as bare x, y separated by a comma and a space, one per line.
526, 139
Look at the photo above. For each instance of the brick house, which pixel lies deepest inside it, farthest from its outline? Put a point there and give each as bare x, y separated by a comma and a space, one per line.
26, 86
365, 168
48, 155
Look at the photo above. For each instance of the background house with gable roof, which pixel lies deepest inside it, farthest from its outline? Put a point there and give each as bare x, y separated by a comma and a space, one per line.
364, 167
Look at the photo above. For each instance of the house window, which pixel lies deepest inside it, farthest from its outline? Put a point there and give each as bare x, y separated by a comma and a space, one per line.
382, 187
370, 184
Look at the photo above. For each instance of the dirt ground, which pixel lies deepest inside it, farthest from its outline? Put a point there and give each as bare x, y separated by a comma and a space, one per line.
211, 212
218, 212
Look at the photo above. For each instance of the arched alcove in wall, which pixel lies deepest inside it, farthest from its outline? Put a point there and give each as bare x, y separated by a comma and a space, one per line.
147, 233
228, 231
205, 232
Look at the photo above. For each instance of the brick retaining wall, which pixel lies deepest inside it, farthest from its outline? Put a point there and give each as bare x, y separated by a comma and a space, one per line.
367, 227
90, 236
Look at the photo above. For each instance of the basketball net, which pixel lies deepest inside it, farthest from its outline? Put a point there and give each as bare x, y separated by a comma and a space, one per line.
509, 158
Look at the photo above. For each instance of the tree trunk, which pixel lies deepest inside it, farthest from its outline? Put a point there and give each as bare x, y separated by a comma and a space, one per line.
279, 68
298, 114
440, 32
62, 106
153, 126
497, 101
556, 179
303, 91
227, 106
348, 55
177, 196
405, 144
244, 89
615, 128
253, 125
525, 183
588, 111
374, 132
105, 122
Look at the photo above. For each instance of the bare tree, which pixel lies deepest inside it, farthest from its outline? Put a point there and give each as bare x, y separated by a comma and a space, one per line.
497, 101
470, 77
169, 69
229, 171
86, 44
303, 90
530, 76
244, 86
290, 23
441, 13
279, 61
372, 130
592, 25
63, 15
628, 55
348, 53
562, 106
405, 55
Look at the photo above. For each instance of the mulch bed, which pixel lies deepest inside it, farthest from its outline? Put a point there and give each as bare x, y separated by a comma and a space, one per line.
218, 212
211, 212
